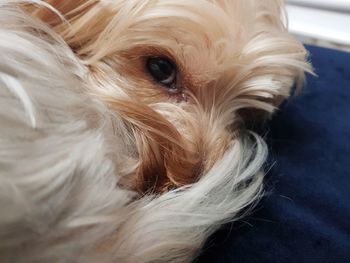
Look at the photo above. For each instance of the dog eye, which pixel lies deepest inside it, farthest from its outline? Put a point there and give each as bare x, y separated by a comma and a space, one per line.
163, 71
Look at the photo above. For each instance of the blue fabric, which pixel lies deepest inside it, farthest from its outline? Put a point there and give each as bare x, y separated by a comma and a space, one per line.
306, 215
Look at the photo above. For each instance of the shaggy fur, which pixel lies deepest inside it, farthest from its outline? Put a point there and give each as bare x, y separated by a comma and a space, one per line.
98, 163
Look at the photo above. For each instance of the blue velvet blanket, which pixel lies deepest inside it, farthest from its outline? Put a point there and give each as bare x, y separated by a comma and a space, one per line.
305, 216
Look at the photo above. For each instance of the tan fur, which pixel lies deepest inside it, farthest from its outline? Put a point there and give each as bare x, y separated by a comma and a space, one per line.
103, 164
216, 45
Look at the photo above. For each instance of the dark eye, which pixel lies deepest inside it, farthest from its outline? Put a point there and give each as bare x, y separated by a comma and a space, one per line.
163, 71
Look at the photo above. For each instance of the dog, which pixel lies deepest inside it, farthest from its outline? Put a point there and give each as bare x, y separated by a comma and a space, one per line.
125, 125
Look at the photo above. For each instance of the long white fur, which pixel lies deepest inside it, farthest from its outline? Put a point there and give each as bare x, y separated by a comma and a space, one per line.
59, 199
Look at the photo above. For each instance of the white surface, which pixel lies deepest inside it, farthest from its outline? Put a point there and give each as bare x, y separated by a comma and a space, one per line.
335, 5
319, 23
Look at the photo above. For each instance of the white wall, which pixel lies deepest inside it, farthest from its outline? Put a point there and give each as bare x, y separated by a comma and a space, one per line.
327, 20
335, 5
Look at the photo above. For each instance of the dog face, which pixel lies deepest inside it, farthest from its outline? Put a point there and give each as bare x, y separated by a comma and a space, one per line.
182, 74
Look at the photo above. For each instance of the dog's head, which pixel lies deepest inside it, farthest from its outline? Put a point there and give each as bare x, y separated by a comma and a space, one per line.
183, 74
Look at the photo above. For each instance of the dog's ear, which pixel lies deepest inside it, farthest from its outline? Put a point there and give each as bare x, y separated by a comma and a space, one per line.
72, 20
275, 62
65, 8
